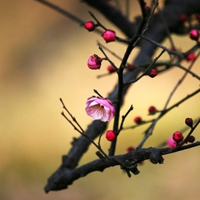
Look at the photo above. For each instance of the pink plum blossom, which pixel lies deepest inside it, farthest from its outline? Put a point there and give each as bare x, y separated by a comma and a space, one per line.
94, 62
171, 143
100, 108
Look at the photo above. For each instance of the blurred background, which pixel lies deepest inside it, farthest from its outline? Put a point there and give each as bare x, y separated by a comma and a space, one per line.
44, 58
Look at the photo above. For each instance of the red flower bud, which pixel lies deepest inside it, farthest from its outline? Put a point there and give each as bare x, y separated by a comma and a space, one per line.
191, 139
147, 9
110, 68
129, 149
190, 56
177, 137
152, 73
152, 110
198, 17
138, 120
189, 122
194, 34
183, 18
131, 67
109, 35
110, 135
90, 25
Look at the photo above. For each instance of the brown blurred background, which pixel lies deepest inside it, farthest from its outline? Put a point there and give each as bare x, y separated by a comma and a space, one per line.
44, 57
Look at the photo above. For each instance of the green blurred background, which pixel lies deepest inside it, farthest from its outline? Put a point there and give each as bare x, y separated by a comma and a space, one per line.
44, 57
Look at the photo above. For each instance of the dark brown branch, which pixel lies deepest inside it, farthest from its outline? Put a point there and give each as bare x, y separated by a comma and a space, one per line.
156, 32
128, 161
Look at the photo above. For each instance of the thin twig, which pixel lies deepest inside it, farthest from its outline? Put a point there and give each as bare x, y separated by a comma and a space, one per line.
162, 47
190, 133
82, 131
72, 117
62, 11
124, 117
146, 70
107, 58
164, 112
111, 52
184, 129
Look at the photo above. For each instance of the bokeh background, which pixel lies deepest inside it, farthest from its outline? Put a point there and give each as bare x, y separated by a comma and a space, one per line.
44, 57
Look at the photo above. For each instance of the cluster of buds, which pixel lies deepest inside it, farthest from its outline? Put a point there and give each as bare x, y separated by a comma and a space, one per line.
94, 61
177, 137
108, 35
184, 18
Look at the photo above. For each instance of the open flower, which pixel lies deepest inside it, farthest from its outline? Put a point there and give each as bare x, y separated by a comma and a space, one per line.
100, 109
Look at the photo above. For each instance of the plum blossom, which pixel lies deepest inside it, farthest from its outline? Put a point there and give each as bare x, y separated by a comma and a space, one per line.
100, 109
94, 62
171, 143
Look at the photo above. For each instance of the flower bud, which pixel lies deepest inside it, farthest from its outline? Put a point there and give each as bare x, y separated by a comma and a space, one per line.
152, 73
147, 9
90, 25
197, 17
194, 34
94, 62
131, 67
129, 149
109, 35
183, 18
152, 110
189, 122
191, 139
111, 69
177, 137
110, 135
190, 56
138, 120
